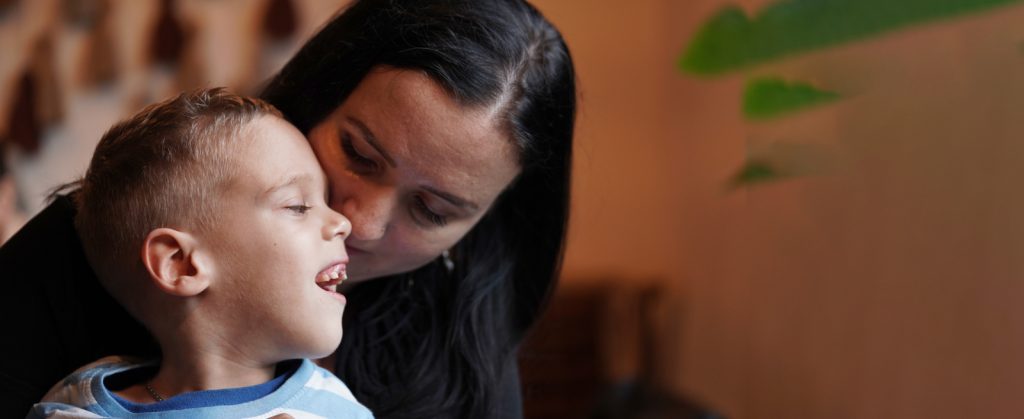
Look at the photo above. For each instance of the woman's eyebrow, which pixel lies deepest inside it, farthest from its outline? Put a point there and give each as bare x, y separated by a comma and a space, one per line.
459, 202
371, 139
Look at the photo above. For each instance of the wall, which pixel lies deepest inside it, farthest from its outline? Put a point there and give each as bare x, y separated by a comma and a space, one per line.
886, 287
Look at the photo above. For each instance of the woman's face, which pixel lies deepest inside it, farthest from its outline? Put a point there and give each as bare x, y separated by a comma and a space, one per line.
411, 168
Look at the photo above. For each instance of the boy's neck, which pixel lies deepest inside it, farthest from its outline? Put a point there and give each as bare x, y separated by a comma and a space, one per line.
187, 368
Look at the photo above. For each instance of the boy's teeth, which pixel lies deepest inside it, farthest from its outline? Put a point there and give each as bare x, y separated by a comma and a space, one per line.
334, 274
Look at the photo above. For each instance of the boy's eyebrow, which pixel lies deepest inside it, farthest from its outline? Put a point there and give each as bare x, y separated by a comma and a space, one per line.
293, 180
371, 139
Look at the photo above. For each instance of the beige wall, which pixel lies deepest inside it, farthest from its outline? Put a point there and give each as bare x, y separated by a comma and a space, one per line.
888, 288
624, 65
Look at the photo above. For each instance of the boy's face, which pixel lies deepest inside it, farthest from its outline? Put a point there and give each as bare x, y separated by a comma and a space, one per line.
273, 245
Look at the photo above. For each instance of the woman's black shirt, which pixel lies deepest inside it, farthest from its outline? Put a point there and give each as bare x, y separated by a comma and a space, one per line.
56, 317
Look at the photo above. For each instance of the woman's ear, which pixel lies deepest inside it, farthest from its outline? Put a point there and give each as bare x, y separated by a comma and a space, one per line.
170, 258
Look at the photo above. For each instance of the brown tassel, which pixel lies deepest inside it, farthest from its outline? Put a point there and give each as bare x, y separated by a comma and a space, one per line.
169, 38
7, 6
50, 107
3, 161
83, 14
280, 21
24, 129
90, 16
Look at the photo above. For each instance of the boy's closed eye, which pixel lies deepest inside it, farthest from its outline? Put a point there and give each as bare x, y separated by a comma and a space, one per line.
299, 209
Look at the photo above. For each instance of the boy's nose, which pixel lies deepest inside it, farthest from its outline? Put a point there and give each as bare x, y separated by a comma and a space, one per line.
337, 225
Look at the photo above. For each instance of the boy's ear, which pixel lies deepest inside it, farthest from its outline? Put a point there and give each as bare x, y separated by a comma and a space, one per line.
173, 263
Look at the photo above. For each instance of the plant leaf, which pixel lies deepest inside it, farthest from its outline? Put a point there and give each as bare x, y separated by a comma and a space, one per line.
769, 97
753, 172
730, 40
784, 160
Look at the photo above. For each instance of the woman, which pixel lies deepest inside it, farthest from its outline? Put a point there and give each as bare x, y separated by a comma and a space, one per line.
445, 128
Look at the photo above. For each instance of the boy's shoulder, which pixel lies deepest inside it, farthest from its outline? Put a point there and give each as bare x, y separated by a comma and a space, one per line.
76, 394
322, 379
324, 392
311, 390
80, 383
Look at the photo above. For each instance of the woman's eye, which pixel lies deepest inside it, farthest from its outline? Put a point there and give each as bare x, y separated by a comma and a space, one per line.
364, 163
299, 209
433, 217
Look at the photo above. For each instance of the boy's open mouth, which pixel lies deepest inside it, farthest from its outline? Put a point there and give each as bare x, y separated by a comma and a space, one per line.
329, 278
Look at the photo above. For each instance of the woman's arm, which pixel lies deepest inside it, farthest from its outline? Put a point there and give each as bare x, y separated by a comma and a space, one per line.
54, 314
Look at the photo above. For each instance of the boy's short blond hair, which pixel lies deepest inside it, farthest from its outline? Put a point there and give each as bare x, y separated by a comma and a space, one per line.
162, 167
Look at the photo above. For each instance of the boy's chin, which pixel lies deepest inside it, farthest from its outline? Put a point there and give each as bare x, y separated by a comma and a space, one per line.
325, 347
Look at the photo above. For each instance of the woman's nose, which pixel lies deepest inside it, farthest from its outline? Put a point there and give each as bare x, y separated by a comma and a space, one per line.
370, 211
337, 225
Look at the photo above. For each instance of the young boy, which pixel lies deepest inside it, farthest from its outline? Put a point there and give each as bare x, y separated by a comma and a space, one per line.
205, 216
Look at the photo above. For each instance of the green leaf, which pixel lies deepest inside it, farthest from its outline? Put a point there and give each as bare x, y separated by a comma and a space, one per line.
730, 40
753, 172
783, 160
770, 97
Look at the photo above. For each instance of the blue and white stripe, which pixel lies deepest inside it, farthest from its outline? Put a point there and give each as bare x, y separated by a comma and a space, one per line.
311, 392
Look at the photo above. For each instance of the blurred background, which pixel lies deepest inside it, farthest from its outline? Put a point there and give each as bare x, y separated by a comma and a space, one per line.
782, 209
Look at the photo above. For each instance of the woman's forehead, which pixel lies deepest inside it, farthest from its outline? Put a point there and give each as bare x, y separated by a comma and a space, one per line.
430, 136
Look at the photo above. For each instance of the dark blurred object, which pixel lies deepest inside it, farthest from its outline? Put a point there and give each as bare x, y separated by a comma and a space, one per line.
592, 355
90, 16
280, 21
49, 106
84, 14
24, 130
11, 218
36, 101
561, 371
169, 38
6, 7
640, 400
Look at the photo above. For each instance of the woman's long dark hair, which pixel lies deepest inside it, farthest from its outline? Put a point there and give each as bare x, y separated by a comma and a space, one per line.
430, 343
